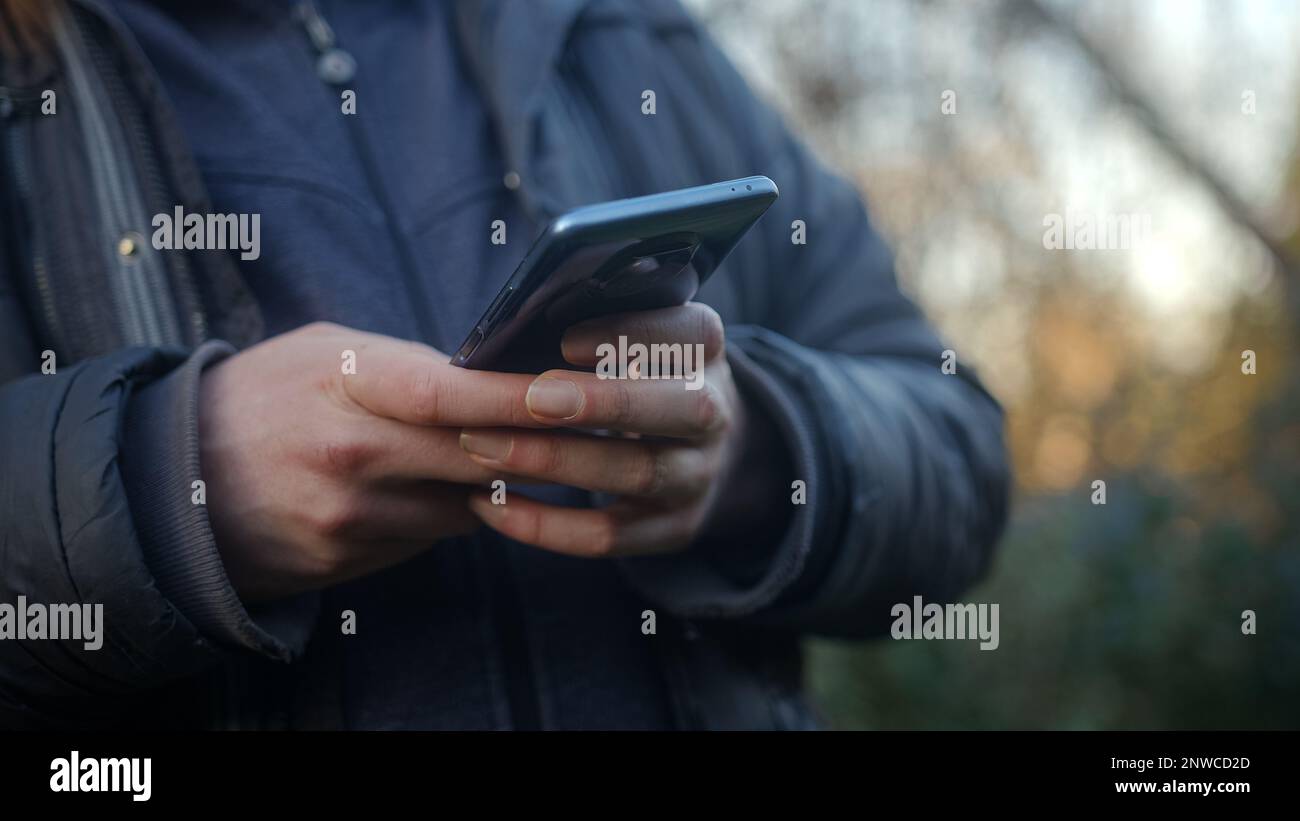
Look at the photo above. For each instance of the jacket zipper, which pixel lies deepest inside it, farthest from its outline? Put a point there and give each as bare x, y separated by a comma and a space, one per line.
141, 298
186, 305
335, 67
223, 710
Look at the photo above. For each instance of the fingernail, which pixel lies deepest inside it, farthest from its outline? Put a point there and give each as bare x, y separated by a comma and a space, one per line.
494, 446
554, 398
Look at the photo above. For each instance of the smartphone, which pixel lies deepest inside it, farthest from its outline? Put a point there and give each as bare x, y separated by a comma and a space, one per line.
612, 257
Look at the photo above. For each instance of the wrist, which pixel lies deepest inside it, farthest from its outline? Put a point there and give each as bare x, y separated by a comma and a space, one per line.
751, 506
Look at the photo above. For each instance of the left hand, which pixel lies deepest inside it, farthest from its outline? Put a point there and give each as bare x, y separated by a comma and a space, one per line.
667, 486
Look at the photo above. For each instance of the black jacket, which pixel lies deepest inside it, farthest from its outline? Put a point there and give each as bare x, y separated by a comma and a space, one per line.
904, 464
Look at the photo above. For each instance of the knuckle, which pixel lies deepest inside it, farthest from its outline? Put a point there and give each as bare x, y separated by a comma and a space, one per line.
526, 525
338, 518
342, 457
322, 328
651, 474
708, 410
699, 471
684, 474
547, 456
602, 539
327, 560
620, 403
425, 394
712, 331
512, 408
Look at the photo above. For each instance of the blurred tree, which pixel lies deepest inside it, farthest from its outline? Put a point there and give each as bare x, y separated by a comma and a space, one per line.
1127, 614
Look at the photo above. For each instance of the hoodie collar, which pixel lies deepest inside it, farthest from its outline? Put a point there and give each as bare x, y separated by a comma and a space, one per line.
512, 47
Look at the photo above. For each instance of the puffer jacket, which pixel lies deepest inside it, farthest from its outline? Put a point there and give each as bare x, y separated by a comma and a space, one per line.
904, 465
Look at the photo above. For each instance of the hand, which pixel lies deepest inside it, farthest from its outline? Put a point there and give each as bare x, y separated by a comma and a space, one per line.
315, 476
669, 486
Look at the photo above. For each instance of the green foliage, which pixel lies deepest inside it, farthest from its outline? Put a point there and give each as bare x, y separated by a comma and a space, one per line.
1124, 616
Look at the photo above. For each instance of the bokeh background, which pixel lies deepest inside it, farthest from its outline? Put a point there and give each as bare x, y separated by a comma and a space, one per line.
1118, 365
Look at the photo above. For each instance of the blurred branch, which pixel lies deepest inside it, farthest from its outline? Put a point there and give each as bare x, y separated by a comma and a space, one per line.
1157, 126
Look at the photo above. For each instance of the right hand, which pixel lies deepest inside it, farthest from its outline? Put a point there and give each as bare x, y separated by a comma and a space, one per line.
315, 476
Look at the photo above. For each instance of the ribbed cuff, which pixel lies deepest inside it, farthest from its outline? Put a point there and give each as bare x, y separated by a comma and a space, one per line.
160, 464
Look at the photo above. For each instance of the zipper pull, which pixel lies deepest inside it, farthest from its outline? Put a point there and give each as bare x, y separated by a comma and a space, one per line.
334, 65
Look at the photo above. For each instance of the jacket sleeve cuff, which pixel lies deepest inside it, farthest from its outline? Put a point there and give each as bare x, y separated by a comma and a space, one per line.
160, 463
689, 584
